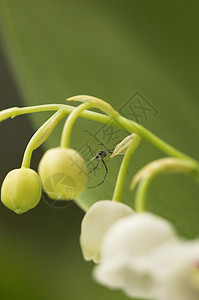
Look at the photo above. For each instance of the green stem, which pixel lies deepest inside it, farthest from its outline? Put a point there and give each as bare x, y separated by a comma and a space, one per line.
153, 139
38, 138
123, 169
90, 115
163, 165
88, 102
66, 133
163, 146
120, 121
140, 197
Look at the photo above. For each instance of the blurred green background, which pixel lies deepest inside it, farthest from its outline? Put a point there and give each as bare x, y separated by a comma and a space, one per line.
117, 51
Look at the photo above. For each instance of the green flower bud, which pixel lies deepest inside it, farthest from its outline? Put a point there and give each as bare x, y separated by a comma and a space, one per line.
63, 173
21, 190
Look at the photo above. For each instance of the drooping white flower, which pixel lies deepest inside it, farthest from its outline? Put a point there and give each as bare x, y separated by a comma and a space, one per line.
176, 271
99, 218
125, 253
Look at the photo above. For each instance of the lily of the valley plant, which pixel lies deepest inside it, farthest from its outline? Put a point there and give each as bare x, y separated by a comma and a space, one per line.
133, 250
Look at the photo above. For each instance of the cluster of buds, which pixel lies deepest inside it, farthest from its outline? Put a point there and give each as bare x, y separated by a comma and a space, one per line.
61, 174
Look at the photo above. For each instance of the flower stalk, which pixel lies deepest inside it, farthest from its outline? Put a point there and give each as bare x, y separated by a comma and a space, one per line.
144, 177
113, 118
178, 161
66, 133
41, 136
123, 169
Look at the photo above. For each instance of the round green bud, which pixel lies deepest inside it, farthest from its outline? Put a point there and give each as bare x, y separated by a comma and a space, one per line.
21, 190
63, 173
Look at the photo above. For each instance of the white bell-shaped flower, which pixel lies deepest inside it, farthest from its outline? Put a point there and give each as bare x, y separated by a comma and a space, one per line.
176, 271
140, 279
125, 253
99, 218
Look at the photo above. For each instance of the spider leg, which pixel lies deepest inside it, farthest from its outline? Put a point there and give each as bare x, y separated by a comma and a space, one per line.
110, 150
93, 168
90, 187
105, 166
98, 141
91, 152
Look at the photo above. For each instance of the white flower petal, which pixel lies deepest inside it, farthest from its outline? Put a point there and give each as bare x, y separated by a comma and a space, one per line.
126, 250
136, 235
176, 270
133, 278
141, 281
95, 224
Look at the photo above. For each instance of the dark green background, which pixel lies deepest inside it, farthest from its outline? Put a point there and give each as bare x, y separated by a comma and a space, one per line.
108, 49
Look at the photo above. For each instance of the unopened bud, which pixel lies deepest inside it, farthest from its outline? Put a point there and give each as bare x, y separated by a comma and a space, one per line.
21, 190
63, 173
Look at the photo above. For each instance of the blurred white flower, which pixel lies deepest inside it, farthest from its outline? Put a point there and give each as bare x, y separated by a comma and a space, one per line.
99, 218
126, 250
175, 270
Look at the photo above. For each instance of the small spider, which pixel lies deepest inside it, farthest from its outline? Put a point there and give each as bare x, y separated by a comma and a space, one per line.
99, 157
